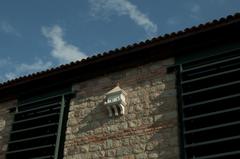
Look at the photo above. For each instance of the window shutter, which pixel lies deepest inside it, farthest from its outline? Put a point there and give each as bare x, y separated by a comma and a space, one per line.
37, 128
209, 106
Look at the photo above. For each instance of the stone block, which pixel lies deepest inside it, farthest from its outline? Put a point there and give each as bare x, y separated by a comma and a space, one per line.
147, 130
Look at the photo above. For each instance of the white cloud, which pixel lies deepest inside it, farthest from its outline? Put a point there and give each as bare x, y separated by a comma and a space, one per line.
61, 50
24, 68
9, 76
195, 11
124, 7
195, 8
38, 65
8, 29
173, 21
4, 62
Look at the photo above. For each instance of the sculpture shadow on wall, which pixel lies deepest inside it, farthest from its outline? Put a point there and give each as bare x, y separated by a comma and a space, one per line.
94, 119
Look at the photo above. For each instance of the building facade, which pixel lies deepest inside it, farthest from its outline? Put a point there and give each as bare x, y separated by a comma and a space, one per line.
172, 97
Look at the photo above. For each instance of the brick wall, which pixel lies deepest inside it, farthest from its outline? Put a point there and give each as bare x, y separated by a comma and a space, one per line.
6, 119
148, 130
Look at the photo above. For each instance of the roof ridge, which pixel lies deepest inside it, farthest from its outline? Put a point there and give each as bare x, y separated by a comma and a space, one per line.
130, 47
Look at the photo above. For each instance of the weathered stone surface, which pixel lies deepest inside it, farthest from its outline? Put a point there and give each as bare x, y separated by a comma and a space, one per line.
139, 148
141, 156
124, 151
148, 130
2, 124
5, 125
153, 156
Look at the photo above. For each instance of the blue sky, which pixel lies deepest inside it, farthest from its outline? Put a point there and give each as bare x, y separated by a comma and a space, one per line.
39, 34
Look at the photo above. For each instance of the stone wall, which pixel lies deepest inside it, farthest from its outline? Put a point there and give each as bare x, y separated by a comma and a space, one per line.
148, 130
6, 119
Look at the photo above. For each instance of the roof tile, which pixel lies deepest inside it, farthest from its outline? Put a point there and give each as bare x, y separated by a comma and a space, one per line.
186, 31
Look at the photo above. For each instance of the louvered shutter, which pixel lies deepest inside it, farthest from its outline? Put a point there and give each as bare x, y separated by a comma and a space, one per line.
209, 106
37, 128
